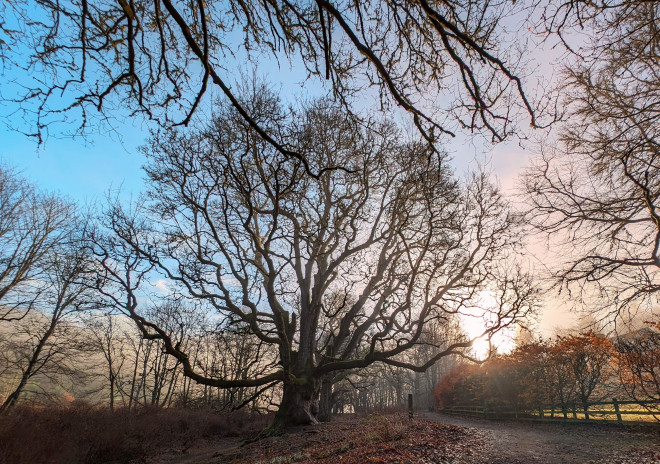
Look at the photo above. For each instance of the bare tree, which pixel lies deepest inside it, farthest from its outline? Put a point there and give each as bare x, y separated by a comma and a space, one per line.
560, 377
64, 295
588, 355
607, 28
596, 192
234, 224
157, 59
105, 337
637, 363
32, 224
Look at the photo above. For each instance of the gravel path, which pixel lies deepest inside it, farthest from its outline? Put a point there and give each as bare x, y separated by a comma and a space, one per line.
554, 443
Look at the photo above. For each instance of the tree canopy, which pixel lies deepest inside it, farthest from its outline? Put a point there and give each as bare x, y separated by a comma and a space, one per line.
448, 64
337, 271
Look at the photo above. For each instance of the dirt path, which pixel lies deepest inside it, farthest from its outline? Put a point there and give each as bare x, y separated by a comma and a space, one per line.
553, 443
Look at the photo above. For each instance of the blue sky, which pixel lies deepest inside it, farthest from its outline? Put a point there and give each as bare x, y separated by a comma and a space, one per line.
85, 169
82, 170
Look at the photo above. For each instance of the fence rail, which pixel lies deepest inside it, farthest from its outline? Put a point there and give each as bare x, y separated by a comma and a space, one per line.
568, 412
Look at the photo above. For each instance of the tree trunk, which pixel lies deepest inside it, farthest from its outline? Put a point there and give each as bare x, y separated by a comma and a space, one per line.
112, 391
325, 402
133, 383
111, 377
12, 399
299, 406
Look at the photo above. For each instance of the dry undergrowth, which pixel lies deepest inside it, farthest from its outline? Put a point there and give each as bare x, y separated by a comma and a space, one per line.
87, 435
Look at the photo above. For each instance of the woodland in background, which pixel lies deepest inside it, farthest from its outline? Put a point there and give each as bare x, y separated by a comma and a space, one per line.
103, 361
567, 370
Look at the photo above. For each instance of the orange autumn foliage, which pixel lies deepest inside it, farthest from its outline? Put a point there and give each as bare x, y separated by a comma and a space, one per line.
576, 368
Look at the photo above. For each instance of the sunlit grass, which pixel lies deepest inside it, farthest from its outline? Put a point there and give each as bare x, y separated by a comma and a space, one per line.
607, 413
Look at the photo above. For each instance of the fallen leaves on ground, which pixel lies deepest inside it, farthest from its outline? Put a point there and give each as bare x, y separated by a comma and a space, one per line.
376, 439
635, 456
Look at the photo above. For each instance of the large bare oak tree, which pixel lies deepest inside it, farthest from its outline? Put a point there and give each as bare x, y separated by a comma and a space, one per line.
250, 232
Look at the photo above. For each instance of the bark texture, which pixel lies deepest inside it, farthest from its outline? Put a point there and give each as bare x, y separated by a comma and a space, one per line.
300, 405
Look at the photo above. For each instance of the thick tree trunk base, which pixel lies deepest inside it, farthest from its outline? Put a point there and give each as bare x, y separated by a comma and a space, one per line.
299, 406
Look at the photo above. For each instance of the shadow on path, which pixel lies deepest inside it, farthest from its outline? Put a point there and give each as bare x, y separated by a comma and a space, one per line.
553, 443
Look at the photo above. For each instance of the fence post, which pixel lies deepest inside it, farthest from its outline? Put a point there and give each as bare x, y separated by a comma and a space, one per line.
563, 410
616, 409
574, 413
540, 412
552, 411
410, 406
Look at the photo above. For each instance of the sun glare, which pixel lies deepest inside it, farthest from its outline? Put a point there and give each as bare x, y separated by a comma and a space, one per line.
475, 321
502, 342
481, 348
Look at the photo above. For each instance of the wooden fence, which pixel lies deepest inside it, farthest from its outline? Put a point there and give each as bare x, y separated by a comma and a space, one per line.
596, 411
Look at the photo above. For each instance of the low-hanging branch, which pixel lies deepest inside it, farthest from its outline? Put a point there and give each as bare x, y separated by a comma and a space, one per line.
95, 60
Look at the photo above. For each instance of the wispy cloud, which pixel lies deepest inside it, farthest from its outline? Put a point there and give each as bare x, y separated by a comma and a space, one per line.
162, 285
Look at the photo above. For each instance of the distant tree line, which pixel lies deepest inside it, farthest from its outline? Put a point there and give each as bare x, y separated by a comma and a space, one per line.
567, 370
101, 359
